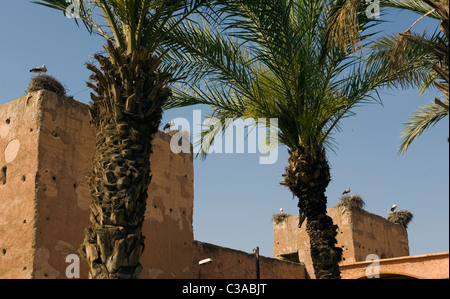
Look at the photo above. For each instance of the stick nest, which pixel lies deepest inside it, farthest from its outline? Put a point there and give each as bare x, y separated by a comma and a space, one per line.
279, 218
46, 82
400, 217
351, 202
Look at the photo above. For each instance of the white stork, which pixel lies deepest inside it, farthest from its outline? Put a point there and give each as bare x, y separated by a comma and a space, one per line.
347, 191
39, 69
169, 125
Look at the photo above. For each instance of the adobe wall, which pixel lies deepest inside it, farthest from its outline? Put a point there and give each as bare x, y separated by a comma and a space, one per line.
425, 266
47, 145
234, 264
360, 233
18, 165
46, 149
373, 234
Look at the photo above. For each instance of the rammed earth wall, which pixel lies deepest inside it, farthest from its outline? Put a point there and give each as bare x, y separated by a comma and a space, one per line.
46, 150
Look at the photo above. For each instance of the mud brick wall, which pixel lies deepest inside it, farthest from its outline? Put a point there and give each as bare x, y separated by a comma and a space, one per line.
46, 149
360, 234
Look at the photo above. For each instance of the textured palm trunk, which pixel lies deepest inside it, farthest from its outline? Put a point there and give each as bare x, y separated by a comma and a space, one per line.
126, 112
308, 176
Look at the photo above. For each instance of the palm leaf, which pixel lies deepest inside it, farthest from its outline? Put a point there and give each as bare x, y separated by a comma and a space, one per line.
132, 23
273, 61
426, 117
407, 64
419, 7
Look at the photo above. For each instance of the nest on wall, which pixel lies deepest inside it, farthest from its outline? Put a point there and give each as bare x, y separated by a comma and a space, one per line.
46, 82
279, 218
400, 217
351, 202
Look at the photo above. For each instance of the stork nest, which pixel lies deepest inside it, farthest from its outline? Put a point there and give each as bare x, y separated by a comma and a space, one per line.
400, 217
46, 82
279, 218
351, 202
172, 133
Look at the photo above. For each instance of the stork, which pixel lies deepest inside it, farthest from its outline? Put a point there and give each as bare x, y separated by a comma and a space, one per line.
169, 125
39, 70
347, 191
394, 206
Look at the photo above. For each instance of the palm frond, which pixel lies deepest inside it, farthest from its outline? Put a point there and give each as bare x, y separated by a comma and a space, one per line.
407, 64
271, 60
220, 58
132, 23
426, 117
419, 7
349, 23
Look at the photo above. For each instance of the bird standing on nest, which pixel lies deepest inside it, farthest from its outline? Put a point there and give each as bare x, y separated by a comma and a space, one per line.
169, 125
347, 191
394, 206
39, 70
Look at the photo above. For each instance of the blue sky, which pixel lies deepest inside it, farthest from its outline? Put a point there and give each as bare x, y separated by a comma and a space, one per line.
235, 196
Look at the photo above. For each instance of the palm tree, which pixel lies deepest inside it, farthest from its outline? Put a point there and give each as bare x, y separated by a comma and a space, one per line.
275, 59
129, 91
418, 60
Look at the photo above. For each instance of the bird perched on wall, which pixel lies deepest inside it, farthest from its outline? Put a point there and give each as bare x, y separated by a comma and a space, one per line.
347, 191
394, 206
39, 69
281, 211
169, 125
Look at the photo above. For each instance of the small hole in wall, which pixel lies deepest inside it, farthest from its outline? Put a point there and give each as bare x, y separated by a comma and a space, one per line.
8, 121
155, 207
54, 178
24, 268
31, 129
24, 178
3, 175
75, 185
3, 251
170, 210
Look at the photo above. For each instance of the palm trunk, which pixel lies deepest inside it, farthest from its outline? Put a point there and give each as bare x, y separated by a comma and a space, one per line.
126, 113
308, 176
